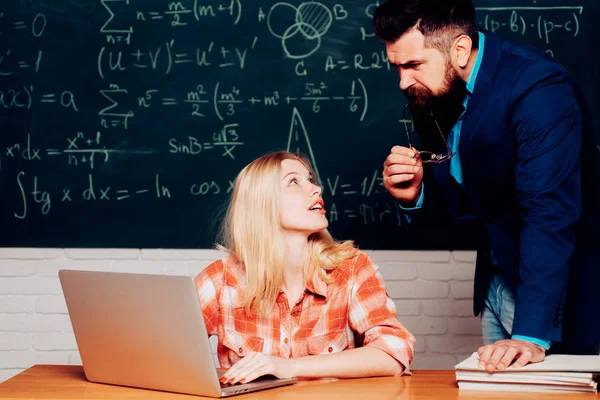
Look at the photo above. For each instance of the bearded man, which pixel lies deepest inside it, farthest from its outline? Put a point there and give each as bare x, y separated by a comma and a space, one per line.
509, 139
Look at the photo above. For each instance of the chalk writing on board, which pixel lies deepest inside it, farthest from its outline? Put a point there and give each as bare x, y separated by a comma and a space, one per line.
311, 21
224, 101
560, 20
152, 107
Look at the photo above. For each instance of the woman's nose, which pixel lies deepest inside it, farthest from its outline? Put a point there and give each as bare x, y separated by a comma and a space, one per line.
317, 190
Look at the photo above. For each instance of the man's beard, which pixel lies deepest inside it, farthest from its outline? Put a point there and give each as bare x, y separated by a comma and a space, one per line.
445, 107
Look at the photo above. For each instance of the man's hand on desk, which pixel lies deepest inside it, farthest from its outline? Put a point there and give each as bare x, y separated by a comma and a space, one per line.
255, 365
499, 355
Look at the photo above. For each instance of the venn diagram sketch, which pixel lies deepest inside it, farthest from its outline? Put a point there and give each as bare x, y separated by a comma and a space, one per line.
300, 28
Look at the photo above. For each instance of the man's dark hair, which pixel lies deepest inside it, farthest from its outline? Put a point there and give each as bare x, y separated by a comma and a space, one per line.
440, 21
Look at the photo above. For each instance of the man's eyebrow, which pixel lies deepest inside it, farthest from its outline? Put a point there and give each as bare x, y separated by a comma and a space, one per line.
410, 62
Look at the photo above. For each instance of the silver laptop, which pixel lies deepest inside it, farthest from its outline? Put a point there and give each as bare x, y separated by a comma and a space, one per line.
145, 331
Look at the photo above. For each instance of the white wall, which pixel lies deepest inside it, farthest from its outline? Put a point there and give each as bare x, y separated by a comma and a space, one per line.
432, 291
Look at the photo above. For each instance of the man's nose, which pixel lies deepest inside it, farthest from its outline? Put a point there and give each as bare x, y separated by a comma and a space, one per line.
406, 80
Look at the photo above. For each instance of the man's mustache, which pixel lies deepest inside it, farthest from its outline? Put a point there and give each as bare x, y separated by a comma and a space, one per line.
415, 92
418, 95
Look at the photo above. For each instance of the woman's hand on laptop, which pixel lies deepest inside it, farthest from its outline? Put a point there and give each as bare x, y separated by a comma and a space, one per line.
255, 365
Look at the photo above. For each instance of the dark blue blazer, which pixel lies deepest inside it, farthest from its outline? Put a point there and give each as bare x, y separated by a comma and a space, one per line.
530, 168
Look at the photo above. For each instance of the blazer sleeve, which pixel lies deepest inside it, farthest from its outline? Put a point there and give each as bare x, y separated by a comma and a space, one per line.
433, 208
546, 120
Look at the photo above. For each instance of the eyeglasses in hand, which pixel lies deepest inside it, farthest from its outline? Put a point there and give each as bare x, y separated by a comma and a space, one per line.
428, 156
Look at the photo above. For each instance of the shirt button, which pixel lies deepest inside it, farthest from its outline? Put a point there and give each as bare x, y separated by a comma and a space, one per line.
241, 350
285, 340
330, 349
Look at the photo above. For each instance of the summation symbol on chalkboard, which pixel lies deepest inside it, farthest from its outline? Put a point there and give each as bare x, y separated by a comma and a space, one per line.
111, 117
115, 34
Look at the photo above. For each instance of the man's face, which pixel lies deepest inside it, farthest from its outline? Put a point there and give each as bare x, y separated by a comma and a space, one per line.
425, 74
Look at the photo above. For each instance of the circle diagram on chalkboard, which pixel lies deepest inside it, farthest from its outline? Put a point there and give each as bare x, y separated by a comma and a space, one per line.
299, 28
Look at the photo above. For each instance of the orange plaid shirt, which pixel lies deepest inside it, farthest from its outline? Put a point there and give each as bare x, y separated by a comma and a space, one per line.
353, 310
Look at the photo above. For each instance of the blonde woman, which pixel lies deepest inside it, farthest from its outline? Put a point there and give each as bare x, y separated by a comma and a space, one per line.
290, 301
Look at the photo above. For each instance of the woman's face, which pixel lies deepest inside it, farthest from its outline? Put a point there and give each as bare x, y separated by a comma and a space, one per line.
302, 207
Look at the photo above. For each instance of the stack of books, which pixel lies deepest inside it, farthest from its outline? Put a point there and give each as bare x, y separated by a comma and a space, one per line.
558, 373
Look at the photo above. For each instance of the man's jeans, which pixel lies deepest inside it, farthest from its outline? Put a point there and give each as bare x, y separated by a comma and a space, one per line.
498, 313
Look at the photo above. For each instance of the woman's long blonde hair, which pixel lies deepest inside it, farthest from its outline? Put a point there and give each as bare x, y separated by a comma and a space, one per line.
252, 233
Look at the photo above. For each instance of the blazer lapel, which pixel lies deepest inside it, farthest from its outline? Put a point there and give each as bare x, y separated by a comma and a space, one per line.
485, 78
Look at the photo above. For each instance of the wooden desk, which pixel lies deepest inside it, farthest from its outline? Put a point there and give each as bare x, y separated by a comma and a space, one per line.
68, 382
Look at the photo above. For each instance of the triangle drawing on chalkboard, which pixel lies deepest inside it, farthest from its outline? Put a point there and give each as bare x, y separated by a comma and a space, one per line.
299, 142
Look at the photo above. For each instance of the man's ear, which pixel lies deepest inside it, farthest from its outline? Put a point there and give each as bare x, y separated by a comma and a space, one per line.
461, 51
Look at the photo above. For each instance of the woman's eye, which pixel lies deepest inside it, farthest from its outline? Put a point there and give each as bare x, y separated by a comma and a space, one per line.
294, 181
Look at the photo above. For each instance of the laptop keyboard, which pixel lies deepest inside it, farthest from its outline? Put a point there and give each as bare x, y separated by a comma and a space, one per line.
220, 373
260, 378
226, 385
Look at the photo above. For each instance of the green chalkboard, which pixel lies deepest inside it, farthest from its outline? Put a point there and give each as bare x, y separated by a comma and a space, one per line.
124, 122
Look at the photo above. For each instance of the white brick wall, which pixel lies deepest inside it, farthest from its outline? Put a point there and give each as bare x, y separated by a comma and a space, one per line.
432, 291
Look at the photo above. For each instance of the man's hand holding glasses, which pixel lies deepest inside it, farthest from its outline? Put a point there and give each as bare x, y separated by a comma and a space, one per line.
403, 174
403, 167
